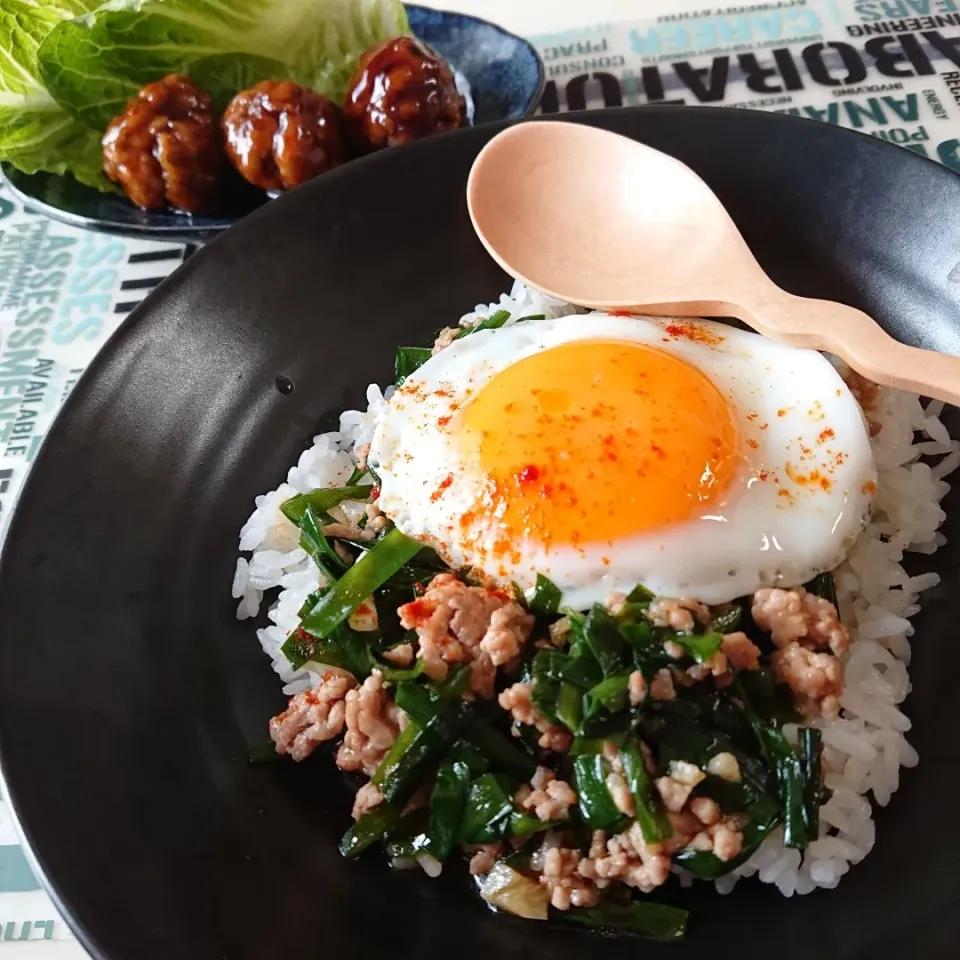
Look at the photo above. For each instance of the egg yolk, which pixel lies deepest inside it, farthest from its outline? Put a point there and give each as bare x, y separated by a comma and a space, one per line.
599, 440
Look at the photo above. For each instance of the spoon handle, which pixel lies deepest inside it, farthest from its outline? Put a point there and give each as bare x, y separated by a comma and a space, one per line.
857, 339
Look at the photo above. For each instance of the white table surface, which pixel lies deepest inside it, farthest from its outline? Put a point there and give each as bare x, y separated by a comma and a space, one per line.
524, 17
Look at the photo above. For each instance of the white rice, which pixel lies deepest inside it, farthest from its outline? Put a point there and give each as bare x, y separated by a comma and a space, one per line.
863, 750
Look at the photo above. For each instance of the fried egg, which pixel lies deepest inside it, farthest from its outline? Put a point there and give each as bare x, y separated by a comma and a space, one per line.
605, 451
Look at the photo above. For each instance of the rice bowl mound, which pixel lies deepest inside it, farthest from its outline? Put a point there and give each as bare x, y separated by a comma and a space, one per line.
863, 749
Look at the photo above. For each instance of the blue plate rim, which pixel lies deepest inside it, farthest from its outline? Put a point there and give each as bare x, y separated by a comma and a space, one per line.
541, 84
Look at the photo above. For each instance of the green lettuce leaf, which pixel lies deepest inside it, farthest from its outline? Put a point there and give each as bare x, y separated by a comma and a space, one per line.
94, 64
36, 133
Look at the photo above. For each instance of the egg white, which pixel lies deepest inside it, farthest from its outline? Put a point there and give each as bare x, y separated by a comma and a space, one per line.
782, 398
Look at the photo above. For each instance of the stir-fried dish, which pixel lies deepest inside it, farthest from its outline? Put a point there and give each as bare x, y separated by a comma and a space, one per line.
571, 616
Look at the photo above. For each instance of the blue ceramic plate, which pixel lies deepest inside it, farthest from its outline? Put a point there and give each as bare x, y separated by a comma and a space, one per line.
506, 80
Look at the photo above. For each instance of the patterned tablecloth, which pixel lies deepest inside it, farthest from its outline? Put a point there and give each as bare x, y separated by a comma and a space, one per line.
889, 68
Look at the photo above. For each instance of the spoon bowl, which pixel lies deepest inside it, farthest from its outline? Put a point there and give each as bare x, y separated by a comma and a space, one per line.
599, 220
593, 213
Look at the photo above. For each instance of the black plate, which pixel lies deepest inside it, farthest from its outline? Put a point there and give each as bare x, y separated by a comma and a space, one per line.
504, 71
129, 695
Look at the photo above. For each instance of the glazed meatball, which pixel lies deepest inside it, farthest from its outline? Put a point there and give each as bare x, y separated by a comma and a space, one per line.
280, 135
402, 91
164, 149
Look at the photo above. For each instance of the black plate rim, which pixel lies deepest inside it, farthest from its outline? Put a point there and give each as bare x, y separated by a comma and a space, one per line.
140, 315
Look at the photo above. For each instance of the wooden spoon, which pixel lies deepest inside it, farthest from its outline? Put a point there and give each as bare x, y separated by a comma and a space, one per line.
600, 220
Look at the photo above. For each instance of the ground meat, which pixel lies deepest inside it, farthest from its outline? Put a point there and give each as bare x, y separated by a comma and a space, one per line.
686, 773
740, 651
484, 857
598, 844
456, 623
661, 688
401, 656
816, 679
727, 840
556, 739
824, 628
637, 688
518, 701
444, 338
401, 91
568, 888
676, 787
724, 839
715, 666
368, 797
707, 811
673, 650
680, 615
615, 602
718, 664
483, 676
685, 827
508, 631
164, 149
312, 717
627, 858
541, 777
548, 797
681, 678
373, 723
673, 794
280, 135
797, 615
